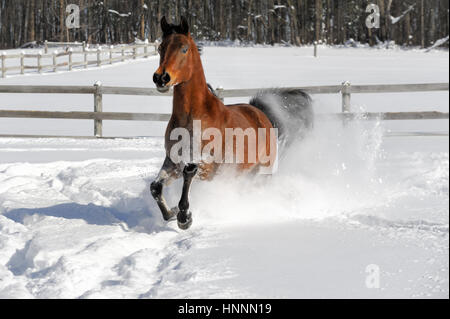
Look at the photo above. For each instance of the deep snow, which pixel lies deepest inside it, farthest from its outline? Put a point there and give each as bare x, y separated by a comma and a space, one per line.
77, 220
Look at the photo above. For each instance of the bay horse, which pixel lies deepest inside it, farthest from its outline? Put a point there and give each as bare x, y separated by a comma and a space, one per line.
288, 111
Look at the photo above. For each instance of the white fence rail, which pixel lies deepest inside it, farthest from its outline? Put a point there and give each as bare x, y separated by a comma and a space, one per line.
103, 55
98, 116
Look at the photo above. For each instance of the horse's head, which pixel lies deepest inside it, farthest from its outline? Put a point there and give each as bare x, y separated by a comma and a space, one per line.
176, 55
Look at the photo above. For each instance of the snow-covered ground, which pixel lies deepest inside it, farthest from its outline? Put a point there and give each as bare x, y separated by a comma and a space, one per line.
77, 220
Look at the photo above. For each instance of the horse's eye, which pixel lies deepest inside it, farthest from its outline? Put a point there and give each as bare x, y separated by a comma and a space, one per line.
185, 49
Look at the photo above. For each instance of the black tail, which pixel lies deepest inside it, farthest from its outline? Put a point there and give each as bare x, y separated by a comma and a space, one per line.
289, 110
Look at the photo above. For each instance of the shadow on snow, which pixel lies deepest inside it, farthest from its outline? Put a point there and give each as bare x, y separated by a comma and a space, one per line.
140, 214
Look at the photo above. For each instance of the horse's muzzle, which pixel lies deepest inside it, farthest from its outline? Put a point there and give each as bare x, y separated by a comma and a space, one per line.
161, 81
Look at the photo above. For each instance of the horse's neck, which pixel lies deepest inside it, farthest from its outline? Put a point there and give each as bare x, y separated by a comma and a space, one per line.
189, 97
193, 99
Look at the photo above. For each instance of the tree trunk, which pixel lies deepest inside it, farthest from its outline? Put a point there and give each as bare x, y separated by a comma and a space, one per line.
292, 11
223, 30
388, 20
318, 20
407, 32
422, 23
61, 20
143, 20
383, 17
32, 35
249, 21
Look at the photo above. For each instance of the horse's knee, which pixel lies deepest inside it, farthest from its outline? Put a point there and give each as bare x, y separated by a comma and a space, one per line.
156, 189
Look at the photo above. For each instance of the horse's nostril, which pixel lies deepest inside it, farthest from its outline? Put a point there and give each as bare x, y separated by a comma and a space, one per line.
155, 78
165, 78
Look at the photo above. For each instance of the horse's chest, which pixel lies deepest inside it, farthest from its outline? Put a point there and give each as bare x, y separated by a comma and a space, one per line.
188, 131
178, 129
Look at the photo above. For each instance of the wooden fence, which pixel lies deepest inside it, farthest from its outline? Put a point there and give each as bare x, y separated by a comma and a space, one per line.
98, 90
104, 55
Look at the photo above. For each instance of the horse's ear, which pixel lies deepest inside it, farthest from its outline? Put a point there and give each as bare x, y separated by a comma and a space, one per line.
184, 26
166, 28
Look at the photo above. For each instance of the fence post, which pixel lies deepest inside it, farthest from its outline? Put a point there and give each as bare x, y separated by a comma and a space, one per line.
315, 49
123, 53
39, 58
146, 48
99, 60
111, 54
55, 53
346, 99
86, 62
134, 51
22, 62
46, 46
70, 59
219, 93
85, 55
98, 107
3, 64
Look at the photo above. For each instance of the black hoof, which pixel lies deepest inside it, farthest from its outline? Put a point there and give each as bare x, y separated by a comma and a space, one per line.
184, 222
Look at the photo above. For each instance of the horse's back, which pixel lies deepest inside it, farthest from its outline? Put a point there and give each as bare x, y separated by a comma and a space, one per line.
241, 114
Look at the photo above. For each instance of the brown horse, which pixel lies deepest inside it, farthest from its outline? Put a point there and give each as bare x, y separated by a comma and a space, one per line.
194, 102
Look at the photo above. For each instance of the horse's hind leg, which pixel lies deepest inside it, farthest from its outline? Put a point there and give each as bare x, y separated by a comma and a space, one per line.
185, 216
168, 172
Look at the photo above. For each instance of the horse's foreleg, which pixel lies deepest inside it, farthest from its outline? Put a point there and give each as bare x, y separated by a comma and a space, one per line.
168, 172
185, 216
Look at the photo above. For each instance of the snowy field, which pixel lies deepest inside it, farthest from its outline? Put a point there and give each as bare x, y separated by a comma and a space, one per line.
77, 220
